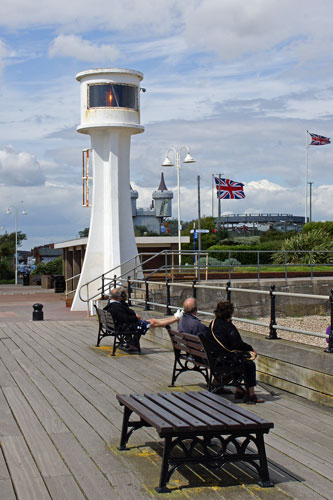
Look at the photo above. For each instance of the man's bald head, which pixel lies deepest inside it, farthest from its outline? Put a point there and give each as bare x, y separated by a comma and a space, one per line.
190, 305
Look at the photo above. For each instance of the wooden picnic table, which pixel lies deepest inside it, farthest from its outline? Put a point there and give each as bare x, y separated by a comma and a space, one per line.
188, 421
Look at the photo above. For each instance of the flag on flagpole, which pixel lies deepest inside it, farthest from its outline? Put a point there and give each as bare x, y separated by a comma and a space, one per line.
228, 189
319, 140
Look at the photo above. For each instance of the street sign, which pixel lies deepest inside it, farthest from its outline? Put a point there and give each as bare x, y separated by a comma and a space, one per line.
199, 231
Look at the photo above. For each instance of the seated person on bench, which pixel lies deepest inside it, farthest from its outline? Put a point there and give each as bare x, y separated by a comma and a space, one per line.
189, 322
224, 338
125, 317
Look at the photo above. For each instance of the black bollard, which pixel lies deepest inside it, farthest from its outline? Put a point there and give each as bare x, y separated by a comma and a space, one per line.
37, 314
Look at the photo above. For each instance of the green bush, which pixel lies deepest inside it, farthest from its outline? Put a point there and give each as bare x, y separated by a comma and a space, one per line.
52, 268
326, 227
316, 239
211, 262
247, 254
246, 240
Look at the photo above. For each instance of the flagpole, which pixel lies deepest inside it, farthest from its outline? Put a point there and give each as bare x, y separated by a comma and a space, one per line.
306, 176
213, 175
219, 209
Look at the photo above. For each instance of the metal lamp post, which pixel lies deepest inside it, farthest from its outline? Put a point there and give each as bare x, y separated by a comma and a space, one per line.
16, 211
168, 163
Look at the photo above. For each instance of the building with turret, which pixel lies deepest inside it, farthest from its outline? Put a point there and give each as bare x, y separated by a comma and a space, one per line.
160, 208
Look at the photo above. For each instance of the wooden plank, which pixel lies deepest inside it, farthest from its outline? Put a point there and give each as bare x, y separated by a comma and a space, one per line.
106, 370
8, 426
197, 418
85, 433
296, 432
81, 379
216, 401
85, 408
26, 478
70, 343
6, 490
64, 488
224, 415
302, 475
185, 412
148, 414
46, 456
6, 380
51, 422
171, 419
300, 454
4, 474
91, 481
129, 487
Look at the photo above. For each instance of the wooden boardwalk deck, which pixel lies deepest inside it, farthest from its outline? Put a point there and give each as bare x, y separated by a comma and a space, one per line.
60, 425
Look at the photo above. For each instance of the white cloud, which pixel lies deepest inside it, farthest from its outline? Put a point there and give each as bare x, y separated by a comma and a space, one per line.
76, 16
233, 28
82, 50
19, 169
54, 213
5, 53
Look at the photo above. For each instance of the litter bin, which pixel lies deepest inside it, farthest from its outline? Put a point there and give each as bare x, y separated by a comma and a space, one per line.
59, 284
26, 279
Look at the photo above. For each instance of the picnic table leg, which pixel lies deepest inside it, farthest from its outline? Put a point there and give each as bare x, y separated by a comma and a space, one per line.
124, 429
264, 474
164, 477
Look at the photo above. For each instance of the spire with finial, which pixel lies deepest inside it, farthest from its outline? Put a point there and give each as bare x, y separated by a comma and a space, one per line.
162, 186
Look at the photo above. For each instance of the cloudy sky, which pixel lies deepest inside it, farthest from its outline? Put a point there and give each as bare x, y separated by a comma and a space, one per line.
238, 82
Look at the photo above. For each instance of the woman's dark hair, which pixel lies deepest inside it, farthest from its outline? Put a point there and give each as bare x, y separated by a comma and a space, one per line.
224, 310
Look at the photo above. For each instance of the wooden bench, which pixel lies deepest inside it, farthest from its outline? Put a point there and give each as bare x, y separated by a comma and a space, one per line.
108, 328
187, 421
191, 354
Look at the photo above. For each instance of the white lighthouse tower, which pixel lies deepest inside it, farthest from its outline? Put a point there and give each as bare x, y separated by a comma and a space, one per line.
110, 114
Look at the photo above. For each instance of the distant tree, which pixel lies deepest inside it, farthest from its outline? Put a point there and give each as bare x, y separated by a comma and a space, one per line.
52, 268
207, 239
84, 233
7, 254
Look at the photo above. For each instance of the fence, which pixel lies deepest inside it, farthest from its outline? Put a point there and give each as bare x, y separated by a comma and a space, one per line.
134, 285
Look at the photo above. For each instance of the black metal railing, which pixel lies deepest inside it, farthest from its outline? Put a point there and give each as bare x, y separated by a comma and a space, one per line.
272, 326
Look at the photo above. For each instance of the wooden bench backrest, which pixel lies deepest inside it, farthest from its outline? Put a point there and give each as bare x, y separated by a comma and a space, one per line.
188, 343
105, 320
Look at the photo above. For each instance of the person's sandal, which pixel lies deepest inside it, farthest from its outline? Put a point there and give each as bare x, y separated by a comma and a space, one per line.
252, 400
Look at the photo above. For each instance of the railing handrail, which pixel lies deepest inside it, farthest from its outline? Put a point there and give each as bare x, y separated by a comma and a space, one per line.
102, 276
273, 326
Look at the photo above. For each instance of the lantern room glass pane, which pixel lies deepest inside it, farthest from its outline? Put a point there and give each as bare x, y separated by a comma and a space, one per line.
108, 95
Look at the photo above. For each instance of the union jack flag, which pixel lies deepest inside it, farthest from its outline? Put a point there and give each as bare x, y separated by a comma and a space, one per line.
229, 190
319, 140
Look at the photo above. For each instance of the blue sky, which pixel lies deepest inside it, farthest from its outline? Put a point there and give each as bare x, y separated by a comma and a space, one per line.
238, 82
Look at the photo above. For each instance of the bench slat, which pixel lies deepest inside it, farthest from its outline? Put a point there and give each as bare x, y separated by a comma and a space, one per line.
216, 402
164, 402
163, 414
149, 416
192, 411
227, 418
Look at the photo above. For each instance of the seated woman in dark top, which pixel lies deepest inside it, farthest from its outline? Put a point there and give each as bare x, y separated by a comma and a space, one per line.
224, 338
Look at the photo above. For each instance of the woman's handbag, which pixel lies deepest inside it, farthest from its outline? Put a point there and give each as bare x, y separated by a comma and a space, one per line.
232, 359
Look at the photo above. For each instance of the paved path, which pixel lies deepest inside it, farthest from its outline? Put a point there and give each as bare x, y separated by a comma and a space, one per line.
60, 425
16, 303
